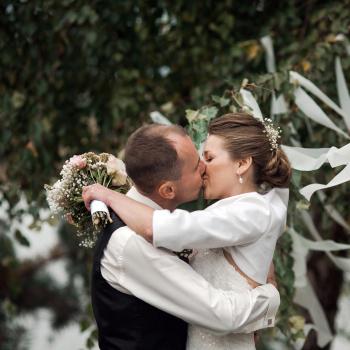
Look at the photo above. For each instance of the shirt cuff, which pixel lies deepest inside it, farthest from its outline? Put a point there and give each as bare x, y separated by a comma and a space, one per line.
274, 296
269, 319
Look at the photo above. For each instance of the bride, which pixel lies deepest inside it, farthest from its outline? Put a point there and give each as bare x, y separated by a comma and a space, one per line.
235, 237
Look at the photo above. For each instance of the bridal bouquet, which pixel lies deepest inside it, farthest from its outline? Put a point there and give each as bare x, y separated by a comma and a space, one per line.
80, 171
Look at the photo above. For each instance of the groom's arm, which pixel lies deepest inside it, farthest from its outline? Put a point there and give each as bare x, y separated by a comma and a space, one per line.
273, 308
162, 280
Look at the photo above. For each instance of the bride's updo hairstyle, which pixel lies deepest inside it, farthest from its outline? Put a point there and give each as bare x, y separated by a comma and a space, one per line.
245, 136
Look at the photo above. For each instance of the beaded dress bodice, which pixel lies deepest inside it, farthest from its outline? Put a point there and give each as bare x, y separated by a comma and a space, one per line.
213, 266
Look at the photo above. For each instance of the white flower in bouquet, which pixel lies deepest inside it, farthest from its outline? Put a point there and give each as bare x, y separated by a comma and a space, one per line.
116, 168
80, 171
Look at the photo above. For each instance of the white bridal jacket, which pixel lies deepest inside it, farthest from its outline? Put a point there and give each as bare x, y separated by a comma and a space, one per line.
247, 226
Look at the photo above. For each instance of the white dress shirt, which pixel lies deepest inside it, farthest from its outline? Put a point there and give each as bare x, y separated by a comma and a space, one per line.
247, 226
157, 276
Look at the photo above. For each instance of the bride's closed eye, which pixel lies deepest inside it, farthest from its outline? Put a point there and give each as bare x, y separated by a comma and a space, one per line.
208, 160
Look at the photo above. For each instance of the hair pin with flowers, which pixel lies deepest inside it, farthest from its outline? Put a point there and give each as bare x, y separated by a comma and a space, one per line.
272, 133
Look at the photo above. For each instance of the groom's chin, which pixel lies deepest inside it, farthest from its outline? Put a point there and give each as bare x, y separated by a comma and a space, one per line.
199, 194
194, 196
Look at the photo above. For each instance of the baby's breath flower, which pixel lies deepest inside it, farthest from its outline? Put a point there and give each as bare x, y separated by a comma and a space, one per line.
272, 133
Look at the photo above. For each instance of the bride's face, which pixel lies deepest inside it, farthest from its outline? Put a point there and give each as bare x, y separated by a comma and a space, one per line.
220, 177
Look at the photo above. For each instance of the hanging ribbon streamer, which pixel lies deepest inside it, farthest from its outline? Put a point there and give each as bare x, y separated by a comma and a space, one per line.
250, 101
342, 177
159, 118
332, 212
312, 110
307, 160
304, 99
278, 105
343, 92
305, 295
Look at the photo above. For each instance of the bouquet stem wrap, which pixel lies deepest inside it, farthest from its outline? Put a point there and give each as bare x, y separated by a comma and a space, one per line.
97, 210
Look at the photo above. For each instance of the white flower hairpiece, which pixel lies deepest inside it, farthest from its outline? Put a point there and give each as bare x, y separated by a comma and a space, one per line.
272, 133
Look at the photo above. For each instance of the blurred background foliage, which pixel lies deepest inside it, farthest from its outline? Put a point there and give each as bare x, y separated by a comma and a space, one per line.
82, 75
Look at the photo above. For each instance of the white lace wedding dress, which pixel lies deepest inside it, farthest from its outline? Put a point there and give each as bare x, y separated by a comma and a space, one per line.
213, 266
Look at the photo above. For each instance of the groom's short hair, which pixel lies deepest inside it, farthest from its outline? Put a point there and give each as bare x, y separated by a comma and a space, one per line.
150, 157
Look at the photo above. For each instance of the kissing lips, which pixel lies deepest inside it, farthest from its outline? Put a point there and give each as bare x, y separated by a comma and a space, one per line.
204, 180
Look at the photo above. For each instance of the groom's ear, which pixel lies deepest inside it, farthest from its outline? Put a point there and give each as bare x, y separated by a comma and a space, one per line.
167, 190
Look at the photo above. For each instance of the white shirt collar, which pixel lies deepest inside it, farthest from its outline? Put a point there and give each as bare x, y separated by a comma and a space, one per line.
137, 196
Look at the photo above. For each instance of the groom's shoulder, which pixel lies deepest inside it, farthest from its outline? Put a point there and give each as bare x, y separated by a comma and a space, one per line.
124, 235
121, 236
125, 241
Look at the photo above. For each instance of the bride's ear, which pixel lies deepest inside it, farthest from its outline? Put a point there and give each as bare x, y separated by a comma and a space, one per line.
244, 165
167, 190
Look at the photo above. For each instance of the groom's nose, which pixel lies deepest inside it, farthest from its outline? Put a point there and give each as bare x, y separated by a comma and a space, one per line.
201, 167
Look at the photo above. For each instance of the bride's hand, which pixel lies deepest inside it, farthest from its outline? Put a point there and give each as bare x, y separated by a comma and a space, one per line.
96, 192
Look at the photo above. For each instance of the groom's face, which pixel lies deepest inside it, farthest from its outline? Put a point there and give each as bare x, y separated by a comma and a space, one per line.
191, 182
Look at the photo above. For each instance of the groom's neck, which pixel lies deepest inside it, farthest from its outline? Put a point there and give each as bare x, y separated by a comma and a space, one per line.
162, 202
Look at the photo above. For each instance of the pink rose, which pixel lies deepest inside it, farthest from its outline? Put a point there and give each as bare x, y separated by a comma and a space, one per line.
78, 161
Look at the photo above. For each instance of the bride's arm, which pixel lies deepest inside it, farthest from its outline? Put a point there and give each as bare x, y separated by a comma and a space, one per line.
212, 228
136, 215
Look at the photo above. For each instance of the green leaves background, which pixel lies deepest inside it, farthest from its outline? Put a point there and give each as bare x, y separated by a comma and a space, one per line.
79, 76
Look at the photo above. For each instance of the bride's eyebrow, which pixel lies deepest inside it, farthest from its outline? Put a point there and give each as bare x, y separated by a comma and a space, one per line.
206, 152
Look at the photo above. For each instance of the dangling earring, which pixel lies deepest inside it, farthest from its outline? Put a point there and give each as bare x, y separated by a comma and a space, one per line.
240, 178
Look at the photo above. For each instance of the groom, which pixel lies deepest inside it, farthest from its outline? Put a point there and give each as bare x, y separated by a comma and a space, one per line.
143, 297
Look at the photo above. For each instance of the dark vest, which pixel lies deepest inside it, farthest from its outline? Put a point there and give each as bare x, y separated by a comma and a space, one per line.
125, 322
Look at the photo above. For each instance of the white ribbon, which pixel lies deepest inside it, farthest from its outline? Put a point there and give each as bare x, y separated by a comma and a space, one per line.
266, 42
98, 206
278, 106
159, 118
305, 296
304, 102
308, 159
311, 109
250, 101
342, 177
301, 160
332, 212
343, 92
342, 263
